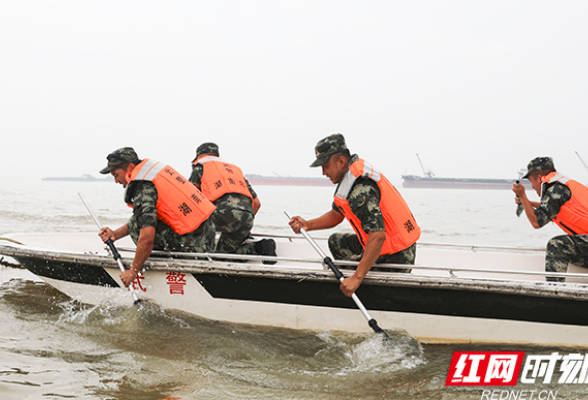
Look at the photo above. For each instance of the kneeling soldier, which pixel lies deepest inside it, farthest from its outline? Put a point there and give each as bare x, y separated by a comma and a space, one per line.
236, 202
169, 212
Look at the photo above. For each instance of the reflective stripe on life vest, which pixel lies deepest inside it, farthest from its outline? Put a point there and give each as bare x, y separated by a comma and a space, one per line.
402, 231
148, 170
555, 176
179, 203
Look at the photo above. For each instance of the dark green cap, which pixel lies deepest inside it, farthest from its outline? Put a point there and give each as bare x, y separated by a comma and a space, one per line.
207, 148
325, 148
539, 164
119, 157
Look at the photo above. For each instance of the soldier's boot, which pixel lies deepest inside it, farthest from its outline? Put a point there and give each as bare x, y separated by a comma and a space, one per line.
266, 247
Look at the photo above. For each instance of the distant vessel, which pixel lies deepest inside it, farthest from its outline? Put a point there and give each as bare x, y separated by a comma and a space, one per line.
83, 178
430, 181
414, 181
252, 178
286, 181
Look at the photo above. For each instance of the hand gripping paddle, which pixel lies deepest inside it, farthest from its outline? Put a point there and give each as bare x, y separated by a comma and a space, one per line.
329, 263
110, 244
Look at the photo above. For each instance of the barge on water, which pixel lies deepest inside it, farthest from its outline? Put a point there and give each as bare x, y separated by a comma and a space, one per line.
432, 182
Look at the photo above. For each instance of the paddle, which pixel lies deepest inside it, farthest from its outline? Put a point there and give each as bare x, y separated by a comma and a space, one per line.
111, 246
520, 207
329, 263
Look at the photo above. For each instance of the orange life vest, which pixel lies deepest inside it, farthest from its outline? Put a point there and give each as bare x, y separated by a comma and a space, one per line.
573, 214
402, 230
220, 177
179, 203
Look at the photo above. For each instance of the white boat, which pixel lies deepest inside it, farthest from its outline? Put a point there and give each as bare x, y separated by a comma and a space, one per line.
453, 294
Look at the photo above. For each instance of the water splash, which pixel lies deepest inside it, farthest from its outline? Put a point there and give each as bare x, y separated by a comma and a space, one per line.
116, 316
107, 313
377, 353
372, 353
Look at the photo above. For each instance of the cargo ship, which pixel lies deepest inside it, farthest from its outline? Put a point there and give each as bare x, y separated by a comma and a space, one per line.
252, 178
430, 181
83, 178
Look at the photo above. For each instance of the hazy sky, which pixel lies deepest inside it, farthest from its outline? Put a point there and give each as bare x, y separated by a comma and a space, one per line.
476, 88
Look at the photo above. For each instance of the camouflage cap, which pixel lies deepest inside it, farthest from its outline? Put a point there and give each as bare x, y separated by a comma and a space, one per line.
119, 157
207, 148
327, 147
539, 164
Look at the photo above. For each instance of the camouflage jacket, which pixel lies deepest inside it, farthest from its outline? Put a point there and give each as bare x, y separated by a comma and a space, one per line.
554, 196
364, 201
142, 195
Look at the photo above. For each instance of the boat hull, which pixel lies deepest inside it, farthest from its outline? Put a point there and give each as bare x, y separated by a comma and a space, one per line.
437, 309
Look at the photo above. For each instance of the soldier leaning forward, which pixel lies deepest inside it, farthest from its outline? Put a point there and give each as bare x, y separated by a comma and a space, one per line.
563, 201
169, 212
236, 202
385, 229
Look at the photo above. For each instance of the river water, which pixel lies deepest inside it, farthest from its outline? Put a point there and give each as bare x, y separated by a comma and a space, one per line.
54, 348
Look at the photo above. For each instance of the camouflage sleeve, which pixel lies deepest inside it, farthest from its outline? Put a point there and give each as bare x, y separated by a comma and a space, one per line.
554, 197
253, 194
364, 201
196, 175
144, 201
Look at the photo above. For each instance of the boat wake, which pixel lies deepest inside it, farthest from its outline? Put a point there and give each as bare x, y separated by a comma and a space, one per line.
306, 353
166, 351
306, 362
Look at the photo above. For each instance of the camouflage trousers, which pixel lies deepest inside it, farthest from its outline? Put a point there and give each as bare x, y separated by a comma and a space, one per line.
199, 241
346, 246
234, 226
565, 249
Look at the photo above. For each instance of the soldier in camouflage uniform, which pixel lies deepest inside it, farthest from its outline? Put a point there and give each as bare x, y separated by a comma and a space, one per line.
364, 202
555, 196
235, 212
147, 231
